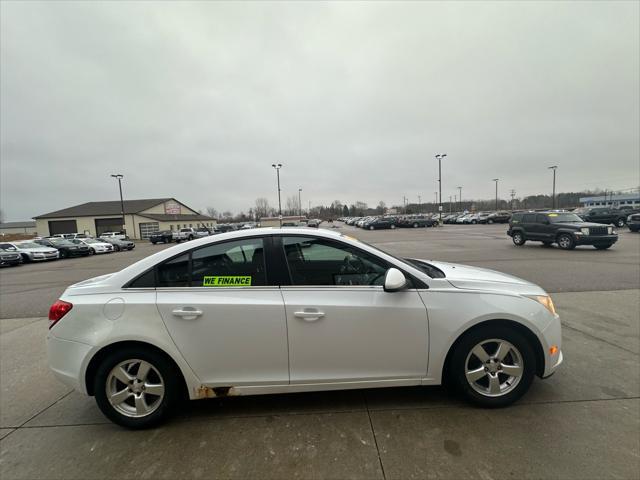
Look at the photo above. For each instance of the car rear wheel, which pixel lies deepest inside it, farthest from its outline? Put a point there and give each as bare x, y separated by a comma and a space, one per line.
473, 222
493, 366
137, 388
371, 227
518, 239
92, 251
63, 254
25, 258
489, 221
392, 227
603, 247
566, 242
415, 225
620, 222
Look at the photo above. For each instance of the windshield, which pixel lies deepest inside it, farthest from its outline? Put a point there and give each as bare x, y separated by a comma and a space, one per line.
564, 218
90, 240
61, 242
6, 246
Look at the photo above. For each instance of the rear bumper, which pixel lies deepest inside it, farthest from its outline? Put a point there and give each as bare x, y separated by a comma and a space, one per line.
65, 360
634, 226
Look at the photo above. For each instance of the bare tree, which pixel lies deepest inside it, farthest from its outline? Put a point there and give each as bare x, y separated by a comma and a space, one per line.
262, 208
292, 205
212, 212
381, 208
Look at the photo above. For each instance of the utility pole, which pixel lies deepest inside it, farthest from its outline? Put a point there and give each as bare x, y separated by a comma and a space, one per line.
299, 202
553, 195
449, 203
496, 180
278, 167
440, 156
513, 194
436, 204
460, 197
419, 204
124, 226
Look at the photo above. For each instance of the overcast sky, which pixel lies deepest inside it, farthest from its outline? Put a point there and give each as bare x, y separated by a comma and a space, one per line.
197, 100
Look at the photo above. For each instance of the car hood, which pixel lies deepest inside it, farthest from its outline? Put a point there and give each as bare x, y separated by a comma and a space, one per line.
476, 278
38, 249
578, 225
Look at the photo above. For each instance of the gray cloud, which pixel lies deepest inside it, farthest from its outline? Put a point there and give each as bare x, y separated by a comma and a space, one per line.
196, 100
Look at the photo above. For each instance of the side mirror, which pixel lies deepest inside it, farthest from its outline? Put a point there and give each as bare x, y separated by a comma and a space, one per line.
394, 280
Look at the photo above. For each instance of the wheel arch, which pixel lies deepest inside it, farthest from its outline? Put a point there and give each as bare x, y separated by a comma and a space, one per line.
527, 333
101, 354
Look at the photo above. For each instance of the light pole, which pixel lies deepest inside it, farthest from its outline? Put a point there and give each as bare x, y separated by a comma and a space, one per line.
299, 202
419, 204
460, 197
436, 203
120, 177
278, 167
449, 203
440, 156
513, 194
553, 195
496, 180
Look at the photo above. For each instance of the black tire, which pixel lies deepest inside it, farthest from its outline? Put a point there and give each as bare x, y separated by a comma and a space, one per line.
620, 223
190, 237
566, 241
462, 350
25, 258
473, 222
153, 242
547, 244
392, 227
171, 377
63, 254
415, 225
518, 239
116, 248
489, 221
92, 251
603, 247
371, 227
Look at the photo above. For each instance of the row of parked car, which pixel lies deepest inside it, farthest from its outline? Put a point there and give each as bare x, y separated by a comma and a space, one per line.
391, 221
61, 246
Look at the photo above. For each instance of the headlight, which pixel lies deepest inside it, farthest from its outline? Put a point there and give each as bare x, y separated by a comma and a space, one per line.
545, 301
584, 231
610, 230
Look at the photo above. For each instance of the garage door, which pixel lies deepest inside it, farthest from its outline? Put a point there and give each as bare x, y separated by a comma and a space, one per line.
108, 225
146, 229
62, 226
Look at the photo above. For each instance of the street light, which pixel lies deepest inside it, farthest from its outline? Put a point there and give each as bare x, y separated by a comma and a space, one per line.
496, 180
553, 196
440, 156
278, 166
299, 202
436, 203
120, 177
460, 197
419, 204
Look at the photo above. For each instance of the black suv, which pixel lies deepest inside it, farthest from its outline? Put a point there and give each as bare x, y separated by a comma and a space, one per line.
163, 236
609, 216
566, 229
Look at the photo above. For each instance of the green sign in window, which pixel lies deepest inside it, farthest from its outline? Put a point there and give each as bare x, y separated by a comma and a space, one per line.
226, 281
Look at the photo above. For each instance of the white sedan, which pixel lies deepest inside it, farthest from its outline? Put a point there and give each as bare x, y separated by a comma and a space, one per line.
95, 246
293, 310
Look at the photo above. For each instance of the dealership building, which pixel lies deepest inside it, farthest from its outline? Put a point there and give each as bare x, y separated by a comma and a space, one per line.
142, 218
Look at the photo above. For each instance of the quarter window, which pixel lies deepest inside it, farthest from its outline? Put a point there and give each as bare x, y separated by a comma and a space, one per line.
318, 261
174, 272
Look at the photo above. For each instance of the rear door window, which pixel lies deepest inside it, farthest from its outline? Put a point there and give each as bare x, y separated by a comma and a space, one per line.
529, 218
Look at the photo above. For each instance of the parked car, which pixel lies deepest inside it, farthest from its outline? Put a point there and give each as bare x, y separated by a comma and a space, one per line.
163, 236
70, 236
416, 322
416, 221
381, 223
499, 217
9, 255
633, 222
95, 246
608, 216
566, 229
224, 227
202, 232
65, 247
483, 217
116, 235
184, 234
34, 252
314, 223
118, 244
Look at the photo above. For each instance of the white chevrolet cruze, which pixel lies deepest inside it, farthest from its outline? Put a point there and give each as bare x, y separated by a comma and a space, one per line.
294, 310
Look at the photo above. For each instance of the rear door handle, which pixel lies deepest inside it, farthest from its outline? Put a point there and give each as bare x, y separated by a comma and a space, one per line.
188, 313
309, 315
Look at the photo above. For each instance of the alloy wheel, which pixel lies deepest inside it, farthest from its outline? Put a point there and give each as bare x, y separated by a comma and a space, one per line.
135, 388
494, 367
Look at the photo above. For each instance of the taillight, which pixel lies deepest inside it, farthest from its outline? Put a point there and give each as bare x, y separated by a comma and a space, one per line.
58, 310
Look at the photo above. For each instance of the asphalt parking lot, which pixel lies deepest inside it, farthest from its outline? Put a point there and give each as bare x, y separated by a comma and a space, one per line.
584, 422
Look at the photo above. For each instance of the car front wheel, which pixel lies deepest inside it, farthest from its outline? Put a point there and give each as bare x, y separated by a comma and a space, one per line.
566, 242
493, 366
137, 388
518, 239
393, 227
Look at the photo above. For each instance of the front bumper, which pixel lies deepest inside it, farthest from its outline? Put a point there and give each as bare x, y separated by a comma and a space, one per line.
634, 226
595, 239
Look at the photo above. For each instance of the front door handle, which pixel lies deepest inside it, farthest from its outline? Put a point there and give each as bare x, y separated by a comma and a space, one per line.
188, 313
309, 315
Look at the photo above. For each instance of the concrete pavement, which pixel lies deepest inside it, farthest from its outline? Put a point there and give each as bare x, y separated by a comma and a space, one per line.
584, 422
